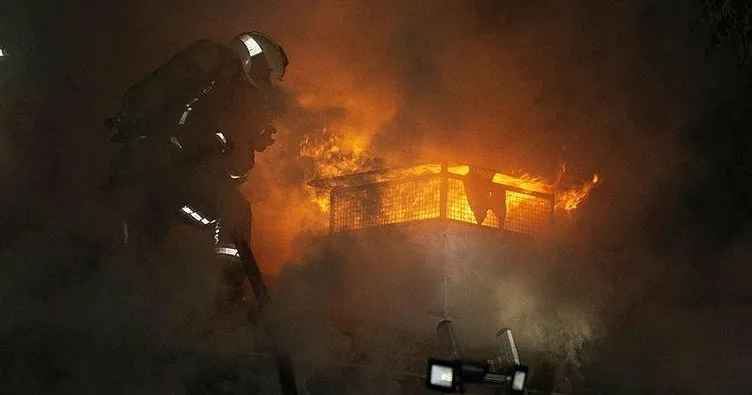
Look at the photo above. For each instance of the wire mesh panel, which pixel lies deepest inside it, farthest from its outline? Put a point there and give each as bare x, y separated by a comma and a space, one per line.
527, 213
385, 203
458, 207
409, 201
421, 198
347, 209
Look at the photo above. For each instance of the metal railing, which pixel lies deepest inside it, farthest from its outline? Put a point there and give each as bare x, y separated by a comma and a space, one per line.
440, 195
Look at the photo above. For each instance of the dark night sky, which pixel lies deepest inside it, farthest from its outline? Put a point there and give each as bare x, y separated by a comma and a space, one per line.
627, 90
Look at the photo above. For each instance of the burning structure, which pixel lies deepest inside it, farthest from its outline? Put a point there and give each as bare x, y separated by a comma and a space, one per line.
440, 220
444, 192
423, 243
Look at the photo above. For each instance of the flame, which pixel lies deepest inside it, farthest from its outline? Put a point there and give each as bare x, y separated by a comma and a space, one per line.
334, 154
569, 199
332, 160
420, 198
525, 182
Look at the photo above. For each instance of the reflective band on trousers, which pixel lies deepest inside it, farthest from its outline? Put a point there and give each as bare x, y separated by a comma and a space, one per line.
229, 251
125, 231
196, 216
174, 140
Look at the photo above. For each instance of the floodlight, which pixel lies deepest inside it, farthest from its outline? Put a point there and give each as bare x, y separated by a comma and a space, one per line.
442, 376
519, 379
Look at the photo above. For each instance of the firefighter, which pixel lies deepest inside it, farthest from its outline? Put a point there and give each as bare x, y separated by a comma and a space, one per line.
187, 134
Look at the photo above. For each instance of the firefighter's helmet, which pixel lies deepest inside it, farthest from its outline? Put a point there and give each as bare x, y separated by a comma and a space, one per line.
261, 57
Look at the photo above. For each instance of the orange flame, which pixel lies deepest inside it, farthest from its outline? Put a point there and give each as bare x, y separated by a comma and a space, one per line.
334, 155
569, 199
525, 181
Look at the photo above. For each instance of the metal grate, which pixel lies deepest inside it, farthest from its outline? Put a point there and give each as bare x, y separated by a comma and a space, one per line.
458, 207
527, 213
420, 199
386, 203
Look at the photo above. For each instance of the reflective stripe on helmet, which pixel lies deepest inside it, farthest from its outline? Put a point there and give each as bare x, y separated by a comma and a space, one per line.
252, 45
249, 45
221, 137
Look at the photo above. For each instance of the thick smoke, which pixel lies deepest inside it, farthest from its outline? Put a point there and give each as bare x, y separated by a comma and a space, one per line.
604, 86
607, 87
510, 86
